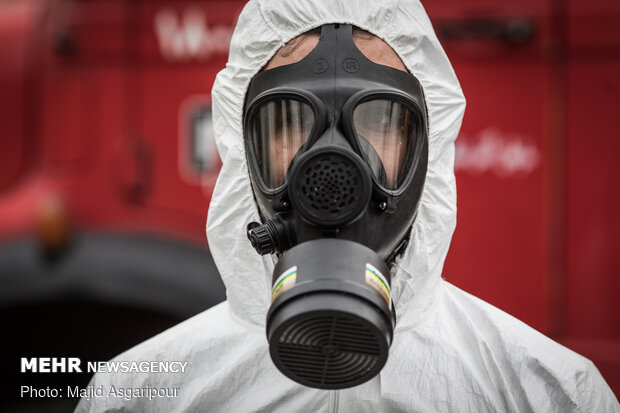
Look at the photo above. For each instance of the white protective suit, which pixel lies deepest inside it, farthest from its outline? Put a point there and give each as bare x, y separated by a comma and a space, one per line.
451, 352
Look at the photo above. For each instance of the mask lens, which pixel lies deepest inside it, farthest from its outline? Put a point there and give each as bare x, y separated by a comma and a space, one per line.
386, 131
279, 128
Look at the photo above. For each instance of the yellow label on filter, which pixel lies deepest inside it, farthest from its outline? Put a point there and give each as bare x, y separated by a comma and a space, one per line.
284, 282
376, 280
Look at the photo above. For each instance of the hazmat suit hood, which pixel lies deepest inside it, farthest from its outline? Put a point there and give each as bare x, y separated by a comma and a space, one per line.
263, 28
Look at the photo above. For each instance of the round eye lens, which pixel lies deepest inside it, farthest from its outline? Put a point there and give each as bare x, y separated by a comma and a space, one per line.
279, 128
386, 131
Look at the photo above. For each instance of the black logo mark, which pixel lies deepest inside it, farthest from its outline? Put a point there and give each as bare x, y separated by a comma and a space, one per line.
350, 65
319, 65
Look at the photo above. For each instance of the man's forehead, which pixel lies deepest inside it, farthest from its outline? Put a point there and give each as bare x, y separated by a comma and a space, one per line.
374, 48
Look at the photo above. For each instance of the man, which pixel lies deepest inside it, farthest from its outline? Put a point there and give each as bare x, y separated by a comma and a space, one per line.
449, 351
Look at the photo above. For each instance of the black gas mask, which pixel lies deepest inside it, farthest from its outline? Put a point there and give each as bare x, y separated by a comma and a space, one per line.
337, 152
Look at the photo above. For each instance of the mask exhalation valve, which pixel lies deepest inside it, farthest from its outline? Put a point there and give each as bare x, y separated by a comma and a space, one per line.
330, 186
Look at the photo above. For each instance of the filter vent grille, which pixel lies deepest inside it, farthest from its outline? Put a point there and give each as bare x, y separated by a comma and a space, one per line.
331, 351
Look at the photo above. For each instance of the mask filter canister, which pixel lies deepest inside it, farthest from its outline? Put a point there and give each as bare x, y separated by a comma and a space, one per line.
331, 321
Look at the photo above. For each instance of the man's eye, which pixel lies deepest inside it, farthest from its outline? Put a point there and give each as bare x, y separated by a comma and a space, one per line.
379, 119
372, 120
300, 121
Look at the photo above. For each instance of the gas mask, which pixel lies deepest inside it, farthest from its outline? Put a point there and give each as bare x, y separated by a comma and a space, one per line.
337, 152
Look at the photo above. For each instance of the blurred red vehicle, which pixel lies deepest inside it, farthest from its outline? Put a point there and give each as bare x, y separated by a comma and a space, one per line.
107, 166
106, 171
